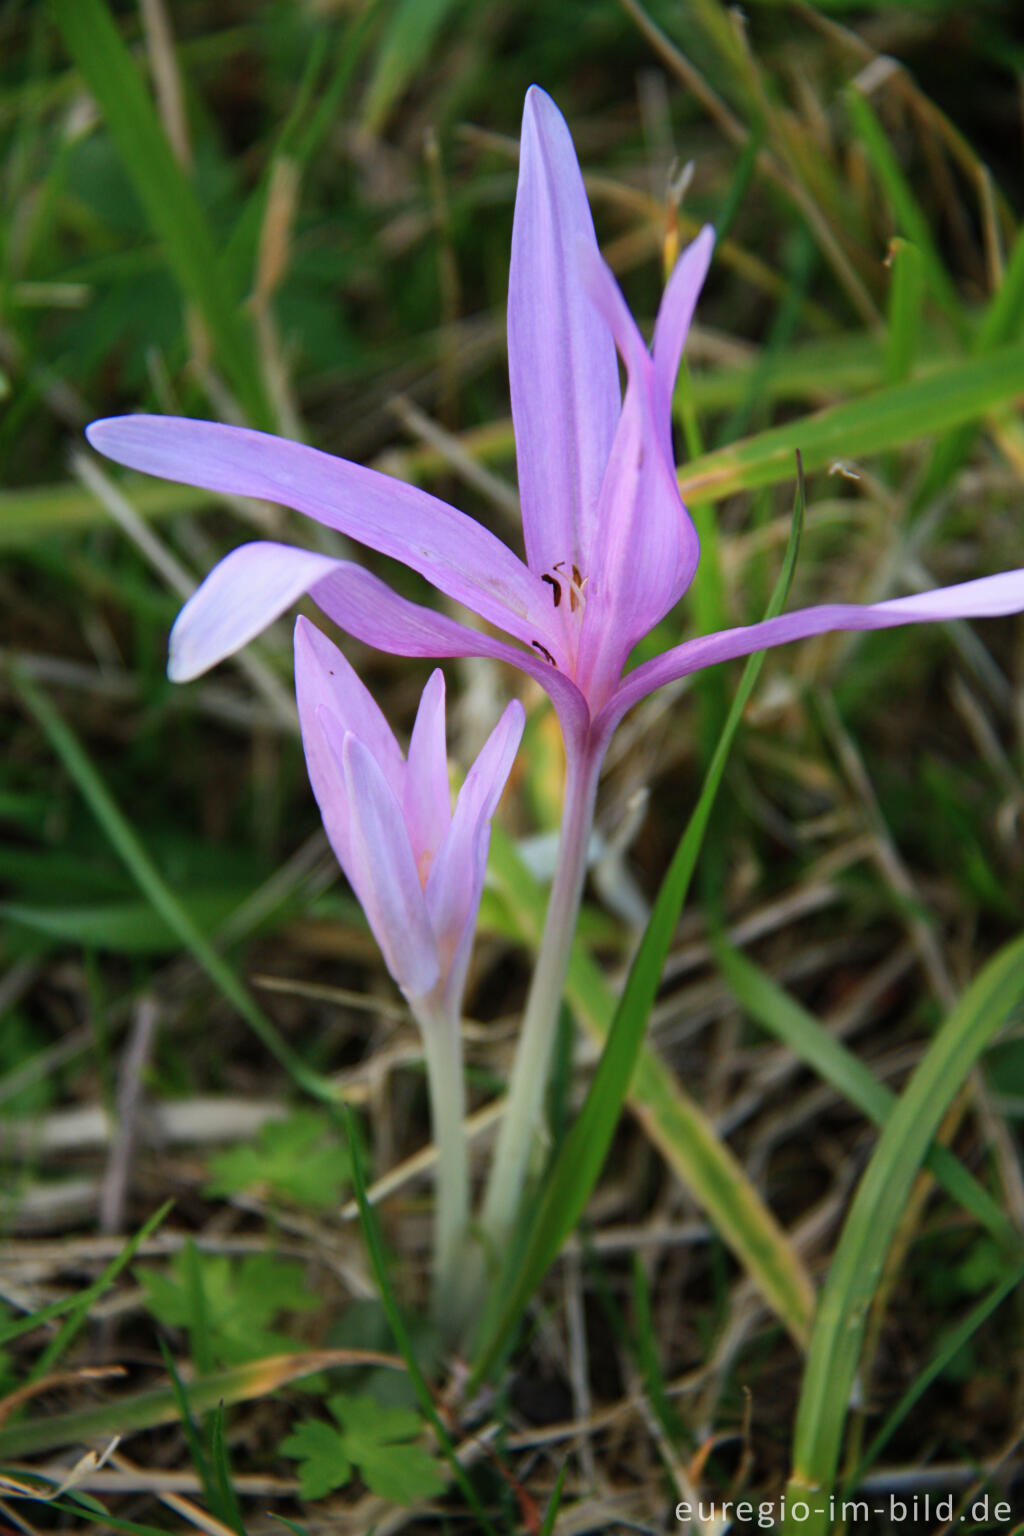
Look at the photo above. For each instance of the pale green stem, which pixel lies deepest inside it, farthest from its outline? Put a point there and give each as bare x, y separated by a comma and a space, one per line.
525, 1098
442, 1044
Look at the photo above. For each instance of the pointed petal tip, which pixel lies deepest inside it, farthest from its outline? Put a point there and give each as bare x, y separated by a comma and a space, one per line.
436, 681
514, 715
538, 100
178, 670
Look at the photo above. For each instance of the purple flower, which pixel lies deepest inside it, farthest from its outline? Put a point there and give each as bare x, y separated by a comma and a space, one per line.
610, 548
416, 865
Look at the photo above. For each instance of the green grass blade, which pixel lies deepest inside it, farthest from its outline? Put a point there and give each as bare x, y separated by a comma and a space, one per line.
160, 1405
783, 1017
874, 1216
79, 1305
405, 49
164, 191
555, 1501
951, 1345
226, 1505
906, 290
188, 1425
33, 512
577, 1166
947, 397
906, 207
999, 323
397, 1325
152, 884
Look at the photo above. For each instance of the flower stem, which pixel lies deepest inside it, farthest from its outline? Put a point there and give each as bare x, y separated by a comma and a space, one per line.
533, 1056
442, 1044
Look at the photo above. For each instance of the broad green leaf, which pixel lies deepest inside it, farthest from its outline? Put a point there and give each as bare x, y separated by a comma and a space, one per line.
874, 1215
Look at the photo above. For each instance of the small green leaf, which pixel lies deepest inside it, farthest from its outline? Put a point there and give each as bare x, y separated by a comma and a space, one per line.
367, 1422
320, 1452
404, 1478
296, 1159
373, 1438
240, 1298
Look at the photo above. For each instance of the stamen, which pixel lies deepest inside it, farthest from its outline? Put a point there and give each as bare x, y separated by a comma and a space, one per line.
556, 588
544, 652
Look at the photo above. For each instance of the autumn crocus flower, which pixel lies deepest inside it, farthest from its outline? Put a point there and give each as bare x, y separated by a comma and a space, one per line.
609, 546
417, 867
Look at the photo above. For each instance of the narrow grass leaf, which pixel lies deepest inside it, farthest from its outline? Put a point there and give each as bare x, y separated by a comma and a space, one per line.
555, 1501
404, 50
647, 1354
951, 1345
1001, 321
782, 1016
999, 324
874, 1216
30, 513
947, 397
906, 290
81, 1303
123, 927
152, 884
396, 1322
909, 213
164, 191
200, 1345
220, 1468
188, 1426
577, 1166
673, 1122
145, 1410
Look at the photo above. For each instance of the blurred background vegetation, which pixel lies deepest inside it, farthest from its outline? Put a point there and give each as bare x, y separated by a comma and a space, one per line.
297, 213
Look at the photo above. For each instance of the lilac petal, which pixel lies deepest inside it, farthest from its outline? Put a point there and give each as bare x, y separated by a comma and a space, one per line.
457, 877
677, 305
366, 607
244, 593
426, 800
453, 551
563, 375
381, 868
987, 597
645, 550
325, 682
